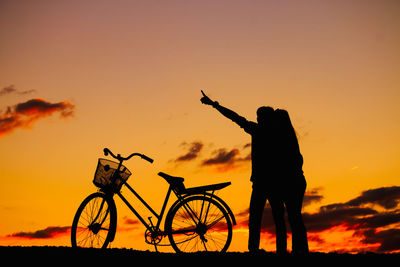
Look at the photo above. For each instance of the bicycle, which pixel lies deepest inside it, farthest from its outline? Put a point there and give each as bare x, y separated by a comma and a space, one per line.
197, 221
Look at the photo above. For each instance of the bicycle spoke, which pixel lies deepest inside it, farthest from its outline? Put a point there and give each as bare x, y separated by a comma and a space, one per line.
215, 222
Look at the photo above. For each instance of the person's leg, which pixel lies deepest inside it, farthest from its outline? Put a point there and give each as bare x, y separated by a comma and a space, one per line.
257, 203
293, 204
278, 211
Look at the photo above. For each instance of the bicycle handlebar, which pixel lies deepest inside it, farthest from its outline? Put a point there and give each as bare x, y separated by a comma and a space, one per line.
147, 158
118, 157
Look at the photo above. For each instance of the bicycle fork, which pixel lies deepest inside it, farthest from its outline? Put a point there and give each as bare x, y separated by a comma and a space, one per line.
96, 227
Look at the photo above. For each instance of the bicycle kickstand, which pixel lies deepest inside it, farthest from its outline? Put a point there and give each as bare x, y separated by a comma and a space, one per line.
152, 226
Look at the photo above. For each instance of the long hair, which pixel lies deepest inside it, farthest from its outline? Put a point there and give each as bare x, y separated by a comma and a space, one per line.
284, 122
287, 138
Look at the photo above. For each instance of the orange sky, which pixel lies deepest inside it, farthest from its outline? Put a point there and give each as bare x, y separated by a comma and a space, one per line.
78, 76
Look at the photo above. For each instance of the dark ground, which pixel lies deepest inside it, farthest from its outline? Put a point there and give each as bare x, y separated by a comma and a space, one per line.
129, 257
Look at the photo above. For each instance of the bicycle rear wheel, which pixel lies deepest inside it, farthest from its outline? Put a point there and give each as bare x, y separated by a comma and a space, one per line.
95, 222
199, 223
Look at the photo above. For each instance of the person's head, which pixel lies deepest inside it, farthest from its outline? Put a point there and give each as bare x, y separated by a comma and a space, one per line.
284, 123
265, 115
282, 117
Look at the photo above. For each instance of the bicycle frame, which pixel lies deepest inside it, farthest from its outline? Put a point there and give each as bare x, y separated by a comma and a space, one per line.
159, 217
150, 227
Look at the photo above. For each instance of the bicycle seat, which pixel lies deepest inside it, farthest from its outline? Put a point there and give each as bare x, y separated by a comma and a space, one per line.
175, 182
171, 179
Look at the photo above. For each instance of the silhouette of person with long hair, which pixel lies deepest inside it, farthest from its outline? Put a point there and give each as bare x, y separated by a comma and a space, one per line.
277, 175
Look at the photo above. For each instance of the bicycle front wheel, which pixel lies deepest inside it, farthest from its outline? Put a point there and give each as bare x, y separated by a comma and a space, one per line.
95, 222
199, 223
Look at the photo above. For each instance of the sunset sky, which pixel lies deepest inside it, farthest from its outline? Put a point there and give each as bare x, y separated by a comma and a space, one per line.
77, 76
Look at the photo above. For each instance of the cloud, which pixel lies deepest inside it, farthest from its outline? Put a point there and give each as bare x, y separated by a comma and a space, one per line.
130, 221
386, 197
372, 226
247, 145
193, 153
25, 114
11, 89
356, 214
225, 159
222, 156
381, 219
326, 219
49, 232
222, 159
312, 196
389, 240
129, 225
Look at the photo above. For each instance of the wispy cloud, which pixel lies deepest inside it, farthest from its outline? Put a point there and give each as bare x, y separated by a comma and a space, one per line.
312, 196
221, 159
193, 152
25, 114
49, 232
224, 156
130, 221
11, 89
386, 197
225, 159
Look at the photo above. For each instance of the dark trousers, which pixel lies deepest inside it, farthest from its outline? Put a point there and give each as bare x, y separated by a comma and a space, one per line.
292, 199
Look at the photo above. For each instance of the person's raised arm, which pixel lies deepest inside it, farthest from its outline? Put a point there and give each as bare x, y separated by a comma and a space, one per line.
241, 121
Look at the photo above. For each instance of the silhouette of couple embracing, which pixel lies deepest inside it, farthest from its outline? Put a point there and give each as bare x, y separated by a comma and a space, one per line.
277, 175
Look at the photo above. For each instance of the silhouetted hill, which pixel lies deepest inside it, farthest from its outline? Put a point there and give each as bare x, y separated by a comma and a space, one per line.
67, 255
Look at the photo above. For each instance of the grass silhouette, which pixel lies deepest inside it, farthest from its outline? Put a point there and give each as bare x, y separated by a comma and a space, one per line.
77, 256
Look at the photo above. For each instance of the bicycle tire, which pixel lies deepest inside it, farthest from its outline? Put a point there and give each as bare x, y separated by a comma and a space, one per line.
95, 222
213, 232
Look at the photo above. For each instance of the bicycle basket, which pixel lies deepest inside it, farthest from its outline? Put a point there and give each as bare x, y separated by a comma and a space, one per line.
106, 176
